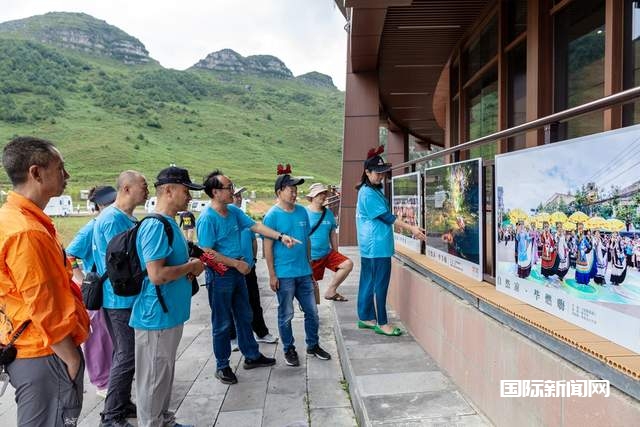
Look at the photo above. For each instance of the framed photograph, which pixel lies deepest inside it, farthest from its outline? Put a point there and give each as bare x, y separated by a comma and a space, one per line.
453, 216
407, 206
568, 231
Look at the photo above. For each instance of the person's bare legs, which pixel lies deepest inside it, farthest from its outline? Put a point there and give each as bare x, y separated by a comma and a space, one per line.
339, 276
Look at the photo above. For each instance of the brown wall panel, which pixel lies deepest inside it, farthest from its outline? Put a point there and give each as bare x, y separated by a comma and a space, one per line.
362, 133
361, 98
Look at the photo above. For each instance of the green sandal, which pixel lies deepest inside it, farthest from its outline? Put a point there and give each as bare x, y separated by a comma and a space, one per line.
363, 325
395, 333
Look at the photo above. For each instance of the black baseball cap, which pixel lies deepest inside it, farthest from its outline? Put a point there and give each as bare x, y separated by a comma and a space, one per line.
287, 181
176, 175
103, 195
377, 164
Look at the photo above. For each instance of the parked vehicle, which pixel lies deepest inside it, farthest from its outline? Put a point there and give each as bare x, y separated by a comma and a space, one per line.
59, 206
198, 205
150, 204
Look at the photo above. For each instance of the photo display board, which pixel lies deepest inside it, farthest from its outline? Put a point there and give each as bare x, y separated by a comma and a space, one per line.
567, 231
407, 206
453, 216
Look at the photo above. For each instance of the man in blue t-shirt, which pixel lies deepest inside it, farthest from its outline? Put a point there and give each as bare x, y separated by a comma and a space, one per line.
290, 269
98, 348
324, 243
219, 228
170, 270
132, 191
250, 251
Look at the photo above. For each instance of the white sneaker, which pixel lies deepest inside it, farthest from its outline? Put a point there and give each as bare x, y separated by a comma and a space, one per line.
102, 392
234, 345
269, 339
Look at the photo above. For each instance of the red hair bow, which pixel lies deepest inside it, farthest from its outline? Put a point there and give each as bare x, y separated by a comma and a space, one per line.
282, 170
375, 152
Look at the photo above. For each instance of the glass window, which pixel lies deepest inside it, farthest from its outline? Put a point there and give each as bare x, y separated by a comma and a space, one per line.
454, 79
517, 93
516, 18
579, 63
455, 117
382, 135
482, 50
418, 149
482, 113
631, 112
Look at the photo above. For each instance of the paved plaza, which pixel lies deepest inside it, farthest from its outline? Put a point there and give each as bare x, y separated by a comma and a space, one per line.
390, 381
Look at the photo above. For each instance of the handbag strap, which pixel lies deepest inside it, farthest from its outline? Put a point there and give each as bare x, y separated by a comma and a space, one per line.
19, 332
315, 227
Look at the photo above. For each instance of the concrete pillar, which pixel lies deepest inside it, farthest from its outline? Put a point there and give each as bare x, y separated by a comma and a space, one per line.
360, 134
397, 149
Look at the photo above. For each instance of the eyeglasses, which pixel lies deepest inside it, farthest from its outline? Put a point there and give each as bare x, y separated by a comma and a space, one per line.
230, 187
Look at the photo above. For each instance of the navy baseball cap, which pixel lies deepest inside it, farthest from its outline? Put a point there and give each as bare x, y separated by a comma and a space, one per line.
103, 195
176, 175
287, 181
377, 164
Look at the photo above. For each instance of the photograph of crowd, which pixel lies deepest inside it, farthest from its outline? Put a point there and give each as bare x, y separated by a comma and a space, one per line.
407, 207
453, 216
571, 223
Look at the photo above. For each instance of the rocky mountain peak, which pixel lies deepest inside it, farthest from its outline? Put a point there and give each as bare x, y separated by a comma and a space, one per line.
79, 32
231, 61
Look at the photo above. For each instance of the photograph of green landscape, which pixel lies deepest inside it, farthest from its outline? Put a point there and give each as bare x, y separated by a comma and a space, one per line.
96, 93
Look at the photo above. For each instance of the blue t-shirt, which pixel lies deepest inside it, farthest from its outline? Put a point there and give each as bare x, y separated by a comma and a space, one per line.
82, 246
222, 234
153, 244
291, 262
321, 238
109, 223
246, 240
375, 237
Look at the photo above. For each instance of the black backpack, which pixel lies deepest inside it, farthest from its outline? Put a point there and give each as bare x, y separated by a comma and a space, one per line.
123, 265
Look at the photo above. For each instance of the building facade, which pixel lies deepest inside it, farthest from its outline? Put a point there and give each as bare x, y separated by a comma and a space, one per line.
434, 74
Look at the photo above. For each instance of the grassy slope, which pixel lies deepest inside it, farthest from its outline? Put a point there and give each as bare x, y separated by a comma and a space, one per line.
244, 131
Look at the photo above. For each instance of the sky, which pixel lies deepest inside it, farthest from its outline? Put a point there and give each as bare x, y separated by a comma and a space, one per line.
307, 35
531, 177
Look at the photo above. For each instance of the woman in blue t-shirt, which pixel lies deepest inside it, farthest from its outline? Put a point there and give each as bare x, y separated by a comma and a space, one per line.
374, 223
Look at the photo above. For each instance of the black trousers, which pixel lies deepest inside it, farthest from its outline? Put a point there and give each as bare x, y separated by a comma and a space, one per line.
122, 365
257, 324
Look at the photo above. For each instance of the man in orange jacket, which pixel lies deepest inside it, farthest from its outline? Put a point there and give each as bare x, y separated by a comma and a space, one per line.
36, 290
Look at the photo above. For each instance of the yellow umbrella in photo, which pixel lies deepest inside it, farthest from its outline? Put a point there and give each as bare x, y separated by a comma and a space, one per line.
558, 216
596, 223
578, 217
516, 215
543, 216
569, 226
614, 224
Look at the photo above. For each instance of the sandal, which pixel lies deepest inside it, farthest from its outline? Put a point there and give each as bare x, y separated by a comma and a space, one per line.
336, 297
395, 333
364, 325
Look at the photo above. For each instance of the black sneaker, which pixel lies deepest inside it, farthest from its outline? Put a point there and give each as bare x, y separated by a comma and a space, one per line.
226, 376
130, 410
120, 422
260, 362
318, 352
291, 357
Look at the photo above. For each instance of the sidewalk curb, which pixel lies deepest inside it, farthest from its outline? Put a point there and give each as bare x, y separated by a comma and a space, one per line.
347, 370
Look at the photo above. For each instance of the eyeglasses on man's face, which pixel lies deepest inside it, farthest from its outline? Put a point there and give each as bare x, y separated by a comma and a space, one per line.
229, 187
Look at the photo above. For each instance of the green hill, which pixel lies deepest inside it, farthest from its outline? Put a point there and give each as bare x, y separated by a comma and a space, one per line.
108, 114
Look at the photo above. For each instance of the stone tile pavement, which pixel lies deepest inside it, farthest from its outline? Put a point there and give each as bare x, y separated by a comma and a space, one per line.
312, 394
390, 381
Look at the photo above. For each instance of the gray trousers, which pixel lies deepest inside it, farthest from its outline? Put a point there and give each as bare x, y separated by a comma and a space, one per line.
155, 366
45, 394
